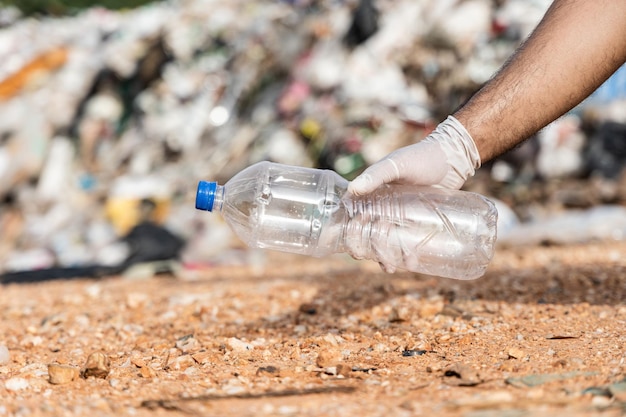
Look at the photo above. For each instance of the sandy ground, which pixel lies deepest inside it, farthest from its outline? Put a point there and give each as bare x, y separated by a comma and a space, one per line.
543, 333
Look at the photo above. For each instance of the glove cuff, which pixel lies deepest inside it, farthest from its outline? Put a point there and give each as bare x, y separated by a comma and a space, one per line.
460, 150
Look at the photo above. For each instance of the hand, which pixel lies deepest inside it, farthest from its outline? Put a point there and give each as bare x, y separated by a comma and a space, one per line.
446, 158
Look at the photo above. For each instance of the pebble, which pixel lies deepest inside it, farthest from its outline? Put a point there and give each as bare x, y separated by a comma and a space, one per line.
333, 339
187, 343
239, 345
61, 374
147, 372
94, 291
136, 300
268, 371
181, 363
308, 308
331, 370
115, 383
600, 402
618, 391
144, 370
202, 357
98, 365
16, 384
413, 352
344, 370
399, 314
431, 309
516, 353
5, 356
459, 374
327, 358
380, 347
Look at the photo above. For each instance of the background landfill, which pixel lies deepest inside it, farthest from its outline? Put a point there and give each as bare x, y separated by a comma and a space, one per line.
108, 118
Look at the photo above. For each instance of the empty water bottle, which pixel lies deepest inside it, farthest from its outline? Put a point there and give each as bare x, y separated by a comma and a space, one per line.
308, 211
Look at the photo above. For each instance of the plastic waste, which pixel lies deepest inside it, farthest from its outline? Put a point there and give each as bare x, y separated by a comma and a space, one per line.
308, 211
599, 223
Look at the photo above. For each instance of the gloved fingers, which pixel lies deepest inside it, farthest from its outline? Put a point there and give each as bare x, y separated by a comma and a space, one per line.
380, 173
446, 158
423, 163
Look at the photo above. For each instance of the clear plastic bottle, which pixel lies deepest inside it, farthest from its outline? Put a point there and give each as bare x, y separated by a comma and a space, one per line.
308, 211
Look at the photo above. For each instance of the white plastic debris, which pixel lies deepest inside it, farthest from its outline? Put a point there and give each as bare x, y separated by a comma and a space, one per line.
103, 109
572, 226
561, 145
56, 173
16, 384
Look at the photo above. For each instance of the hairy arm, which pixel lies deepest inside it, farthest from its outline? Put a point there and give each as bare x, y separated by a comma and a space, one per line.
575, 48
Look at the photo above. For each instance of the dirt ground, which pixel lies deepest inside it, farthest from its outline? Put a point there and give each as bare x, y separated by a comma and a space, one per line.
542, 334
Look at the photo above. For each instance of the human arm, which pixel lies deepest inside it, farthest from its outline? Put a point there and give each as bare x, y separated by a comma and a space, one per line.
574, 49
577, 46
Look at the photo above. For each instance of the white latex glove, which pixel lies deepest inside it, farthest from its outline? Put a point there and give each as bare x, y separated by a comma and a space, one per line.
446, 158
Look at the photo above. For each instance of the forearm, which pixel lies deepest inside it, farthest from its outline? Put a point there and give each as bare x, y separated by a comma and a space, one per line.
575, 48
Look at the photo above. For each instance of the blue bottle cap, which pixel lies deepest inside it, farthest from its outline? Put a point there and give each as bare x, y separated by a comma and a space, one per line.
205, 195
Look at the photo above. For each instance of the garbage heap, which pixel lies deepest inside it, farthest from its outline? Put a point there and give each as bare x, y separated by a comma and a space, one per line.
105, 114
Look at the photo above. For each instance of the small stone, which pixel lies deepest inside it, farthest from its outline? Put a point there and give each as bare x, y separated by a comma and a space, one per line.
413, 352
618, 390
333, 339
181, 363
94, 290
601, 402
344, 370
268, 371
187, 343
380, 347
451, 311
202, 357
147, 372
16, 384
331, 370
137, 361
327, 358
399, 314
239, 345
136, 300
516, 353
534, 380
430, 309
421, 345
5, 356
61, 374
308, 308
144, 370
97, 365
462, 375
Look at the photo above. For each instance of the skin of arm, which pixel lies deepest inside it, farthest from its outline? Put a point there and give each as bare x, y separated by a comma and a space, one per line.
574, 49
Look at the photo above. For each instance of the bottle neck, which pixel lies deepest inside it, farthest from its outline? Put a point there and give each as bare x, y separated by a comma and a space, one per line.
218, 199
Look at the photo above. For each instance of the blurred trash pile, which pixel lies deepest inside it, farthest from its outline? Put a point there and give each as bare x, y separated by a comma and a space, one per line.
104, 111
